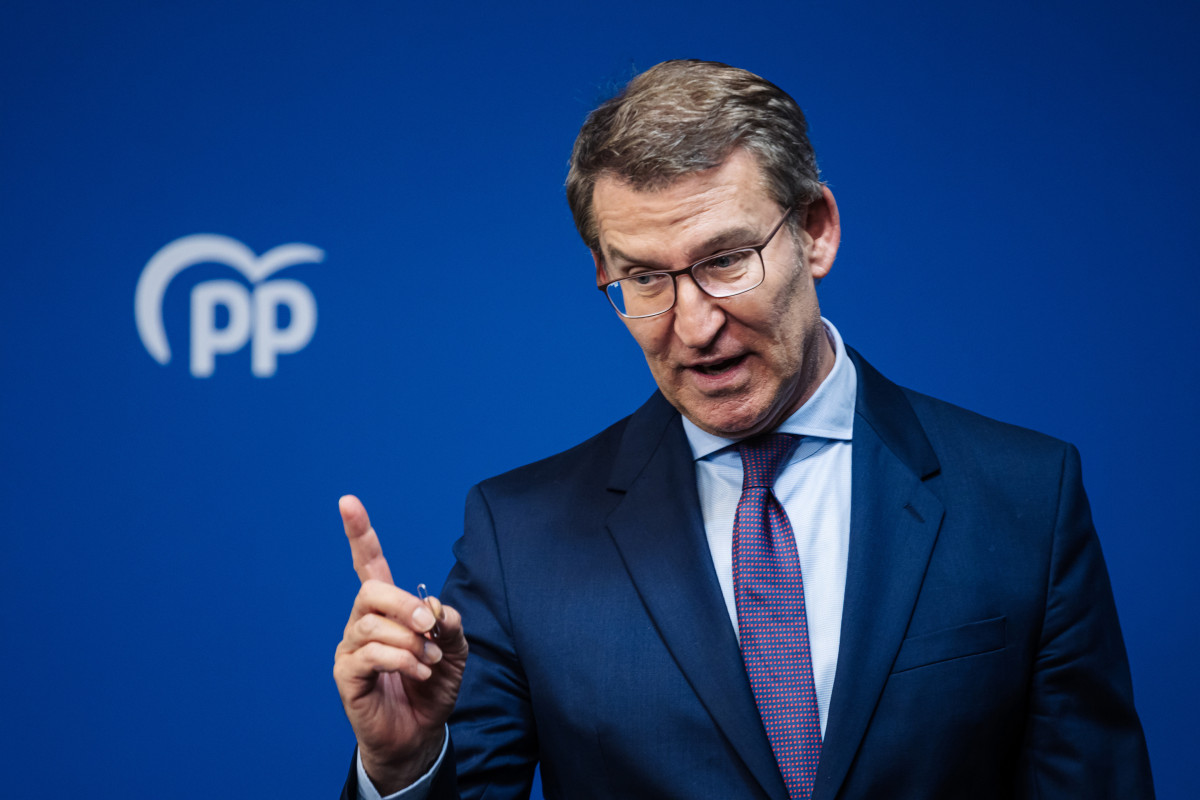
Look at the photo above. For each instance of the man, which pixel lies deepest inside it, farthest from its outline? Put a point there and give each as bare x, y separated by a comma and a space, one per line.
783, 576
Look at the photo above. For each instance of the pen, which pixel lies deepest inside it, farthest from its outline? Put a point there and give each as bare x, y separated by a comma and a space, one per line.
423, 593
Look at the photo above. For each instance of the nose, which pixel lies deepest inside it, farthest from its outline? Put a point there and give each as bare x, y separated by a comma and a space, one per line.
698, 317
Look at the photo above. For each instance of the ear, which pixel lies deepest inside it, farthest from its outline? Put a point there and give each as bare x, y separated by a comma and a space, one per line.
824, 230
601, 274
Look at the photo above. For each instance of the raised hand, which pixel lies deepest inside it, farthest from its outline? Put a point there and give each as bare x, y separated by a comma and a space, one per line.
397, 685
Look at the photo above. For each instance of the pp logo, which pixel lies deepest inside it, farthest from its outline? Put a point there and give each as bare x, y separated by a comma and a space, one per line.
253, 315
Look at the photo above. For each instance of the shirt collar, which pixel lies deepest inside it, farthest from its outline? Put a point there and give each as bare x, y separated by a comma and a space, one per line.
828, 414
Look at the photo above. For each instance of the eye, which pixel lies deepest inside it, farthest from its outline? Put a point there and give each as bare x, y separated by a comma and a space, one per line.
726, 260
646, 282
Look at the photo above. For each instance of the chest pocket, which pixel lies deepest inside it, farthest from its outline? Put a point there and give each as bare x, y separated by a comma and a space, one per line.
972, 639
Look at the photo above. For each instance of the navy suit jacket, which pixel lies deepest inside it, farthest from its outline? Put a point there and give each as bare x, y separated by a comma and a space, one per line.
980, 651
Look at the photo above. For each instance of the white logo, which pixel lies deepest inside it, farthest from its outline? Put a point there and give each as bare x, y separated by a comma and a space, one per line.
252, 314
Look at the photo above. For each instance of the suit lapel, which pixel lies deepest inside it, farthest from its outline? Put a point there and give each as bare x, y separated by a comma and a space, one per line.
894, 522
659, 532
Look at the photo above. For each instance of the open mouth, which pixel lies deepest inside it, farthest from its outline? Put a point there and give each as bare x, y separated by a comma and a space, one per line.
717, 367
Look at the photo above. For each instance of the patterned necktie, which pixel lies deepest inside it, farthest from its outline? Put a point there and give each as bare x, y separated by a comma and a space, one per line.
771, 620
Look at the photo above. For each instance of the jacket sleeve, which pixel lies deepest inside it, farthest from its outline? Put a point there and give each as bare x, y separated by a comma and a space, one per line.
1083, 737
492, 728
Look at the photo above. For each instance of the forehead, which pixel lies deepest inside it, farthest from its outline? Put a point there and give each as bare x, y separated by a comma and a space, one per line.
677, 221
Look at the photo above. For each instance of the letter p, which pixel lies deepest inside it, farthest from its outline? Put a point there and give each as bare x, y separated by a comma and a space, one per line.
269, 339
207, 338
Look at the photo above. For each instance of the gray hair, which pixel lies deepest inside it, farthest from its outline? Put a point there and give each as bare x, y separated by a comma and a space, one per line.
681, 117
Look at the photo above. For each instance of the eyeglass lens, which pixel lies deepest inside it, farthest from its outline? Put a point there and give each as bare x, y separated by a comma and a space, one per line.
653, 293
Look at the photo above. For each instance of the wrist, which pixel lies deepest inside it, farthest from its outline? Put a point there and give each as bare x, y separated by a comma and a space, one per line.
394, 772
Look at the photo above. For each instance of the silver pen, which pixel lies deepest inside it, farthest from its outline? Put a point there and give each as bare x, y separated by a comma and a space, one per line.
423, 593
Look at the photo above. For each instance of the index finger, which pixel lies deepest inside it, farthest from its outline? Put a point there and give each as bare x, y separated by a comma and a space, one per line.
369, 562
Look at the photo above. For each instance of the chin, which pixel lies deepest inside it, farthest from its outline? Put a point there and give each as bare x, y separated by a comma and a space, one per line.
740, 424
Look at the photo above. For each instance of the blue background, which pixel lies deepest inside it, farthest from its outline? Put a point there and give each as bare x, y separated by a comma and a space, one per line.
1017, 183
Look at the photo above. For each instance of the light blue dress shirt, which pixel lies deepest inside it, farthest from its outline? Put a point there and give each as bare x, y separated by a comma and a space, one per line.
814, 488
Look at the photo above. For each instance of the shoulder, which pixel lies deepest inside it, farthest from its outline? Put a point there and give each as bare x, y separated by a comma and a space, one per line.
975, 459
995, 467
914, 420
955, 427
608, 460
552, 511
589, 461
581, 480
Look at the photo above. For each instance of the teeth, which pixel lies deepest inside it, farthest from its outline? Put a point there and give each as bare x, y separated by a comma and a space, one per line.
713, 369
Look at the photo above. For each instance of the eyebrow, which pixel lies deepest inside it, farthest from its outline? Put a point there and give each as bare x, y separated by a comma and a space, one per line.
731, 239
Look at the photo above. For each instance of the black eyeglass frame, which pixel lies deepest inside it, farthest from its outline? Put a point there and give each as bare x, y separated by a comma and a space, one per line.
675, 273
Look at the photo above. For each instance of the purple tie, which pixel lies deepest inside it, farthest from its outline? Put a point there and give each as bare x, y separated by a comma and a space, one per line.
771, 620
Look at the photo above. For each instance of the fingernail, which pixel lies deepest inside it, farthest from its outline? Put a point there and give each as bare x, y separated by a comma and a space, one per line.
433, 653
423, 618
436, 607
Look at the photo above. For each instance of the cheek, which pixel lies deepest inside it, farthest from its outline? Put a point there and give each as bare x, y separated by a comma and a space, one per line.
652, 335
790, 319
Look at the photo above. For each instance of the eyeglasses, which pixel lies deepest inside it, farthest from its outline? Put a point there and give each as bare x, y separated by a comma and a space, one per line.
648, 294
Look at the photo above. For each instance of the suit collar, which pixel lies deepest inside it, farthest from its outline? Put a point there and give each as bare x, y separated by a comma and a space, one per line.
645, 432
883, 407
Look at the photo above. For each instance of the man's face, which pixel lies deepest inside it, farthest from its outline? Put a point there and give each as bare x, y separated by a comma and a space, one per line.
735, 366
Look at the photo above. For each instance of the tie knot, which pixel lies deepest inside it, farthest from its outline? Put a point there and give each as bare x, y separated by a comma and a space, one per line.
763, 457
